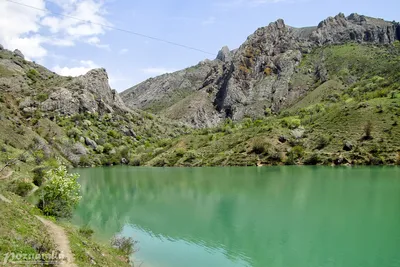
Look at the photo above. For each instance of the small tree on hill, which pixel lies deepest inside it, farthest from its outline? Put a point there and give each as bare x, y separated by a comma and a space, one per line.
61, 194
368, 130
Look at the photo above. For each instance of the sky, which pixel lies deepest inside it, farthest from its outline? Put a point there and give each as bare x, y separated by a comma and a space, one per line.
73, 47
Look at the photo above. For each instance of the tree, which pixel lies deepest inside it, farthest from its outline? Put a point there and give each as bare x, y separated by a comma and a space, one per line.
368, 130
61, 194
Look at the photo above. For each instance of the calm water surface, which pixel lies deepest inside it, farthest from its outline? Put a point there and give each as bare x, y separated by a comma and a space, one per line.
261, 217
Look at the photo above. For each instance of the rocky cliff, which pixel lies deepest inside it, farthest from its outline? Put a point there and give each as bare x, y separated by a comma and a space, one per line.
260, 75
38, 89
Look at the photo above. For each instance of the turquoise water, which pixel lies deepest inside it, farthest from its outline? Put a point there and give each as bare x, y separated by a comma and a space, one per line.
269, 216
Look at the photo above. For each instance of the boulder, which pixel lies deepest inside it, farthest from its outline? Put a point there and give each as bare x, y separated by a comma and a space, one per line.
124, 161
282, 139
347, 146
18, 53
90, 142
224, 54
128, 132
1, 47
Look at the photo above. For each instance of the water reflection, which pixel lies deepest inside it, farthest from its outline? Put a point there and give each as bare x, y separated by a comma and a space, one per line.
280, 216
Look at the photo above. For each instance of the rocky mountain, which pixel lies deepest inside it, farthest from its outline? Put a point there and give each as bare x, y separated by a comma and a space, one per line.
261, 75
80, 120
53, 93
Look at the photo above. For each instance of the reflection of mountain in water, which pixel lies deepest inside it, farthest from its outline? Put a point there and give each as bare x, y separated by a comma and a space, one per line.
278, 216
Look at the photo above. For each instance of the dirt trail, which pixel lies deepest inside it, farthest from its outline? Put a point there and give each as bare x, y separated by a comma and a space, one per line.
6, 176
3, 198
61, 240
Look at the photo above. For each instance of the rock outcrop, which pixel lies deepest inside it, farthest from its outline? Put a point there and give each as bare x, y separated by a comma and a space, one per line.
40, 89
256, 76
18, 53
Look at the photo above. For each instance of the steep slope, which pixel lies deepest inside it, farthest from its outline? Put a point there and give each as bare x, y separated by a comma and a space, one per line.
80, 121
257, 76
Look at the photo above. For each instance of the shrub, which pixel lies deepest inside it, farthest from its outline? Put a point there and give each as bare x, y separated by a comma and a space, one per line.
180, 152
258, 146
42, 97
86, 231
322, 141
135, 162
124, 244
295, 153
61, 194
74, 133
38, 175
368, 130
313, 159
33, 75
107, 148
21, 188
113, 134
291, 122
85, 161
99, 149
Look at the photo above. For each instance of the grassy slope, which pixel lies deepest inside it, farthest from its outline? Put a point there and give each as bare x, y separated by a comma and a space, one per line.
363, 85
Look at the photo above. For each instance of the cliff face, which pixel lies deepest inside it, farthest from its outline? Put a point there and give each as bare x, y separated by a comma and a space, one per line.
255, 77
38, 89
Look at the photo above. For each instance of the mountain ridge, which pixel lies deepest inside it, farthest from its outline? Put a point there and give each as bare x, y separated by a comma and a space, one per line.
244, 82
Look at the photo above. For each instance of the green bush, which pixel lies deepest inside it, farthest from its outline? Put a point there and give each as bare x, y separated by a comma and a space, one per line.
42, 97
113, 134
33, 75
124, 244
107, 148
295, 153
322, 141
85, 161
61, 194
74, 133
313, 159
39, 175
259, 145
86, 231
180, 152
99, 149
21, 188
291, 122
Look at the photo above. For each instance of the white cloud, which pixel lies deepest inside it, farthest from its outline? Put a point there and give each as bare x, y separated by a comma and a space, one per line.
209, 21
83, 68
157, 71
19, 27
123, 51
23, 27
95, 41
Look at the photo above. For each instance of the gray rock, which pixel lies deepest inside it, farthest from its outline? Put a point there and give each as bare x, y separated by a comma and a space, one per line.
348, 146
79, 149
242, 82
90, 142
283, 139
124, 161
18, 53
128, 132
1, 47
224, 54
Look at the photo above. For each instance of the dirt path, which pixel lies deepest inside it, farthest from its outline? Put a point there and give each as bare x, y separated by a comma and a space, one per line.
6, 176
3, 198
61, 240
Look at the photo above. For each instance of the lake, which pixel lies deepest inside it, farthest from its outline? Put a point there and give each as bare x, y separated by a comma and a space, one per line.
262, 217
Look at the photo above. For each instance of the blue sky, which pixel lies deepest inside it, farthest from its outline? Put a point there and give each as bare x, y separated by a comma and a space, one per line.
72, 47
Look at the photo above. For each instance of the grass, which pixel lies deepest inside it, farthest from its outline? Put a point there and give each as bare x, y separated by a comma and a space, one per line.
20, 231
88, 252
